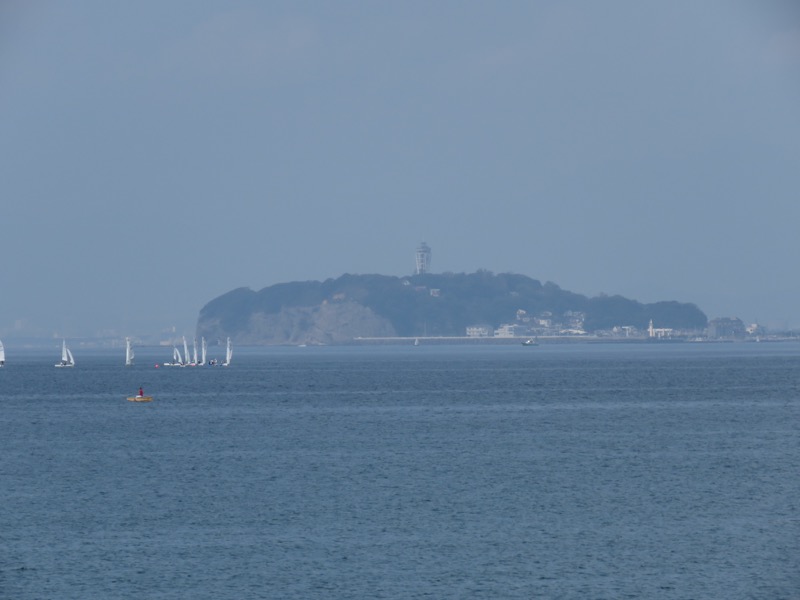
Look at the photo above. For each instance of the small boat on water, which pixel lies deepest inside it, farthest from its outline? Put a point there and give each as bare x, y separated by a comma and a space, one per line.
140, 398
203, 351
2, 355
530, 342
186, 358
177, 361
228, 354
128, 352
66, 356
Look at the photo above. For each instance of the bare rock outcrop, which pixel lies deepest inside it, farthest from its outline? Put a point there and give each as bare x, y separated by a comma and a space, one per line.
324, 324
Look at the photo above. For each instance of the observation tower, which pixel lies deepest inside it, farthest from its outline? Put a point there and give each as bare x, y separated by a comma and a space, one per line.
423, 259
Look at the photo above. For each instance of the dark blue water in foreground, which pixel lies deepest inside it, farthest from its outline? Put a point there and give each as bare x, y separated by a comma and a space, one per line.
431, 472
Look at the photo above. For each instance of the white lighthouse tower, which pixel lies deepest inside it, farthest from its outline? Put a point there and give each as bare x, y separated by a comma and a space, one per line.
423, 259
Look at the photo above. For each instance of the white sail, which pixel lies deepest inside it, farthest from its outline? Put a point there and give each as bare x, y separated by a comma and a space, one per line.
66, 356
176, 358
185, 351
194, 351
203, 348
228, 354
2, 354
128, 352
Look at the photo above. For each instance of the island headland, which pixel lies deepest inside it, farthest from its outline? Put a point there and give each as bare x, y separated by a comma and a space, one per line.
360, 308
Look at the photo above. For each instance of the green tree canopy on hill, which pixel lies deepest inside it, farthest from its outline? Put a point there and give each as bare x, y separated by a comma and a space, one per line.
445, 304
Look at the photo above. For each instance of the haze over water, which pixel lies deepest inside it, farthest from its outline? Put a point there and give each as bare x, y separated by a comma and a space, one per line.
159, 154
646, 471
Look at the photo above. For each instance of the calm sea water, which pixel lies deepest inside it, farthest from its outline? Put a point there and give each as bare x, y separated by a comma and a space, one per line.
663, 471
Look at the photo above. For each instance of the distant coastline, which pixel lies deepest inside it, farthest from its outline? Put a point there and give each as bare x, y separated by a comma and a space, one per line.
456, 307
555, 340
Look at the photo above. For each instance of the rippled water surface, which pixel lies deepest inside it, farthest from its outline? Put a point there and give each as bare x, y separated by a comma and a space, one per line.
635, 471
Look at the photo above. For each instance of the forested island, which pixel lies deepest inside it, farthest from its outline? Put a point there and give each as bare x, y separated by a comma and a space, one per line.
339, 311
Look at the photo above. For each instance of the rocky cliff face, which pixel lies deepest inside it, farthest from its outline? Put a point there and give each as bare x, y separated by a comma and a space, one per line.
327, 323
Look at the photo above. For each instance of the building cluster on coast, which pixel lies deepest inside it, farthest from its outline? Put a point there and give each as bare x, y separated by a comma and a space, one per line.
546, 328
570, 325
544, 324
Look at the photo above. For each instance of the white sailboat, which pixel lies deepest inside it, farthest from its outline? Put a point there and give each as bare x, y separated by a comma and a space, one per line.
185, 352
66, 356
203, 349
194, 352
177, 361
228, 354
128, 352
2, 355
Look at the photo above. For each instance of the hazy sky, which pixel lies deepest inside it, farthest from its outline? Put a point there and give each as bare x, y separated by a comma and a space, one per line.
157, 154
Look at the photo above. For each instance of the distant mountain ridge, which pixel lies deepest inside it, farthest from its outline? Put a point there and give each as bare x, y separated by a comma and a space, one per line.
335, 311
